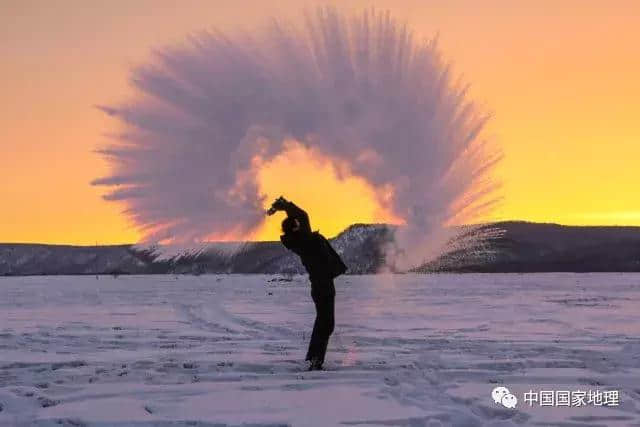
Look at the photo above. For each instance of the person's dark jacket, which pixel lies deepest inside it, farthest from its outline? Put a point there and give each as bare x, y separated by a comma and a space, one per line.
317, 256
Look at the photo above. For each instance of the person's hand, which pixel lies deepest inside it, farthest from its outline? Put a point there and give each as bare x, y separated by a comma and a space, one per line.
278, 205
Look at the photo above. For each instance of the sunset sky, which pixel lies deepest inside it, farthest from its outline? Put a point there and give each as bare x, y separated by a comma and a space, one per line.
561, 78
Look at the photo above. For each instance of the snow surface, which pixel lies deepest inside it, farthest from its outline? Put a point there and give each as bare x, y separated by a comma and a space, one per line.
409, 350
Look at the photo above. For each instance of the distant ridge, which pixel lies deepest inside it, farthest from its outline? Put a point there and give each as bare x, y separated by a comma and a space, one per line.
523, 247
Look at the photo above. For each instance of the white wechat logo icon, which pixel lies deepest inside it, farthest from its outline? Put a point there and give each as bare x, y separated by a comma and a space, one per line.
509, 401
503, 396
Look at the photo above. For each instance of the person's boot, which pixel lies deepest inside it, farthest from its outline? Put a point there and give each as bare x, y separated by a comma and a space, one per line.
315, 364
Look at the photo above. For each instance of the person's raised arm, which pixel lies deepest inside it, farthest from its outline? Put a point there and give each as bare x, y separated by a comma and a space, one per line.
293, 211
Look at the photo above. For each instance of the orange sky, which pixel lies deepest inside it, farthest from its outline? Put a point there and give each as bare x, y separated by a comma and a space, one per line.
560, 76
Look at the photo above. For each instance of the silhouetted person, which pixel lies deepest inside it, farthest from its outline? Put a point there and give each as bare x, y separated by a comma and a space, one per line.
323, 265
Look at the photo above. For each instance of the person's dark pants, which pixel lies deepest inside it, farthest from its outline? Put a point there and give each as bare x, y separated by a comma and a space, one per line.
323, 295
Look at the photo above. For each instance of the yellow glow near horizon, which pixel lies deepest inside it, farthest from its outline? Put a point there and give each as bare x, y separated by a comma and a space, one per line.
311, 180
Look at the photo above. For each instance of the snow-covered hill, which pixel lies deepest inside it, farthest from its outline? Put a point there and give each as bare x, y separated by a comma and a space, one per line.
523, 247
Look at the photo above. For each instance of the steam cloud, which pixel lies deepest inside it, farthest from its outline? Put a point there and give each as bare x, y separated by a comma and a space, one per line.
360, 89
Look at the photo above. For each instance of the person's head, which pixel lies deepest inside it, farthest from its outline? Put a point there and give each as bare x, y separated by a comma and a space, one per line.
290, 225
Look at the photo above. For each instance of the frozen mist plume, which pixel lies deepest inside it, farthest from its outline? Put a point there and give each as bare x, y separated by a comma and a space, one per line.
359, 89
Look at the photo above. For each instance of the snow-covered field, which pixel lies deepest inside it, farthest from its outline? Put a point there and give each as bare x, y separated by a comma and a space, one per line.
409, 350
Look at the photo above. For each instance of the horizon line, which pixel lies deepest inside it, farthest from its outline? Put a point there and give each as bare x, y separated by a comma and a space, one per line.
230, 242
